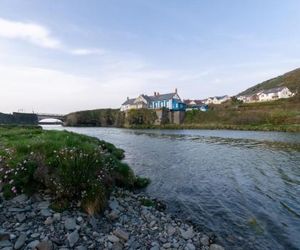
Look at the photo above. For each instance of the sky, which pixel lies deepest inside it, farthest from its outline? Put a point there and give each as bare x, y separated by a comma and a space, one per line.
68, 55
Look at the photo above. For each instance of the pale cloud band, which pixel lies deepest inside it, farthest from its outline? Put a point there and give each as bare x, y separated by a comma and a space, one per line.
41, 36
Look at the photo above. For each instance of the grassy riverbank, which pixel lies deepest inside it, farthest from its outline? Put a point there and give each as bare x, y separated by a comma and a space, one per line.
217, 126
72, 168
278, 115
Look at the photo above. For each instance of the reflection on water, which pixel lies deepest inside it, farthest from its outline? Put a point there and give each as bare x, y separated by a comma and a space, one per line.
244, 186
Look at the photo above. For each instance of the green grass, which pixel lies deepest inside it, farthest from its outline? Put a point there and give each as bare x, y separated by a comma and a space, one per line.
73, 167
290, 79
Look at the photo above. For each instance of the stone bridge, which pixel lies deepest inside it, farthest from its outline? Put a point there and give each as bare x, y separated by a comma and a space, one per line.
42, 116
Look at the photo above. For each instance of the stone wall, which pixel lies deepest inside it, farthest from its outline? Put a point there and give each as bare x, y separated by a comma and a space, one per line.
19, 118
176, 117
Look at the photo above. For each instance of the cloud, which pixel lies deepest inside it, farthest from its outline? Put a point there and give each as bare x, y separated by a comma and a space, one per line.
41, 36
86, 52
30, 32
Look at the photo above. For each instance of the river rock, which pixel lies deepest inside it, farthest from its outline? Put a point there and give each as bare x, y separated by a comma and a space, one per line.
48, 221
46, 212
121, 234
70, 223
117, 246
113, 204
113, 238
56, 217
21, 217
33, 244
73, 238
190, 246
167, 245
204, 240
5, 243
171, 230
45, 245
43, 205
216, 247
113, 215
20, 198
188, 234
20, 241
81, 248
4, 236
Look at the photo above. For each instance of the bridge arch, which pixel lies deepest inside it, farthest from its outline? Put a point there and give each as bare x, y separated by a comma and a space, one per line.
50, 121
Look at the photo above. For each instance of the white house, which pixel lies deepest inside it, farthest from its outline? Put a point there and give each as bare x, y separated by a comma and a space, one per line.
274, 94
216, 99
248, 98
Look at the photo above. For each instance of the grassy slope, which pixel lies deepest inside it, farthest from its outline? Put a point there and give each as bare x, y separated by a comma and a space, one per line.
290, 80
282, 115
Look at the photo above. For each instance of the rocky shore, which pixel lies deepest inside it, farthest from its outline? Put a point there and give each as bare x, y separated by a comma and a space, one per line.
131, 221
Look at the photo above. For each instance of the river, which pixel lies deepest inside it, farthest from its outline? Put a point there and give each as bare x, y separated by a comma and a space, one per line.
243, 186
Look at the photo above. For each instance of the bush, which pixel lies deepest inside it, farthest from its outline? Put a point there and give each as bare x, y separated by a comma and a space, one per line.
141, 117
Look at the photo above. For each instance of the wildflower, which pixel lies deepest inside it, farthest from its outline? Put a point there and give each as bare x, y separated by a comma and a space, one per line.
13, 189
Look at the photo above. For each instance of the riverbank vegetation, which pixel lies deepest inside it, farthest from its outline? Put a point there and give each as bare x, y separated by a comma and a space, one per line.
96, 118
70, 167
278, 115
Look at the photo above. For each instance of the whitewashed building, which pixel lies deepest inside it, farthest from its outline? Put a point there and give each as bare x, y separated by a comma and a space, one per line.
216, 99
267, 95
274, 94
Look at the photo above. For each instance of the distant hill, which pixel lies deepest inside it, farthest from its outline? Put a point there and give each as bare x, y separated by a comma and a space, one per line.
290, 80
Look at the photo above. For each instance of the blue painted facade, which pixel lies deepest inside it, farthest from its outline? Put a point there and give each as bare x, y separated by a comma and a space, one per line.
169, 101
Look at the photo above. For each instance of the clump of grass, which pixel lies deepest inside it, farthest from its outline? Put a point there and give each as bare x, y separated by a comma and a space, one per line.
75, 168
141, 182
147, 202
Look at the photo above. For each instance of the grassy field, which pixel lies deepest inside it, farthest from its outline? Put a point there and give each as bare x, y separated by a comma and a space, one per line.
280, 115
72, 167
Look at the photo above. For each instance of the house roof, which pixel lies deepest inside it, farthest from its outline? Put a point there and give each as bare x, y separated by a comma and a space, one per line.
158, 97
129, 101
221, 97
188, 101
162, 97
273, 90
147, 98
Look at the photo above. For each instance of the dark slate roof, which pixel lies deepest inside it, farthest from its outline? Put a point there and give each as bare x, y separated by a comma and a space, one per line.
220, 97
129, 102
147, 98
162, 97
273, 90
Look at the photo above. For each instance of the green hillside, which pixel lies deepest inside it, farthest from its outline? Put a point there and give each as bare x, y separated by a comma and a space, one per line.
290, 80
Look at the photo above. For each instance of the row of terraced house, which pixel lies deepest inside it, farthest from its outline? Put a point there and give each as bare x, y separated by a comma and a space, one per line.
173, 102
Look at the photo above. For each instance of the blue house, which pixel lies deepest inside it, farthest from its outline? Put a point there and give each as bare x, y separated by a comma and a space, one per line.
170, 101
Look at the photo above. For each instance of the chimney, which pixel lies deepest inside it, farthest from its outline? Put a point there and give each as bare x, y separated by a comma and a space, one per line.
127, 98
154, 93
175, 90
157, 93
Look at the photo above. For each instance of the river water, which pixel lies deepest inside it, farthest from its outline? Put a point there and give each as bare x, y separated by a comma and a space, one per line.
243, 186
